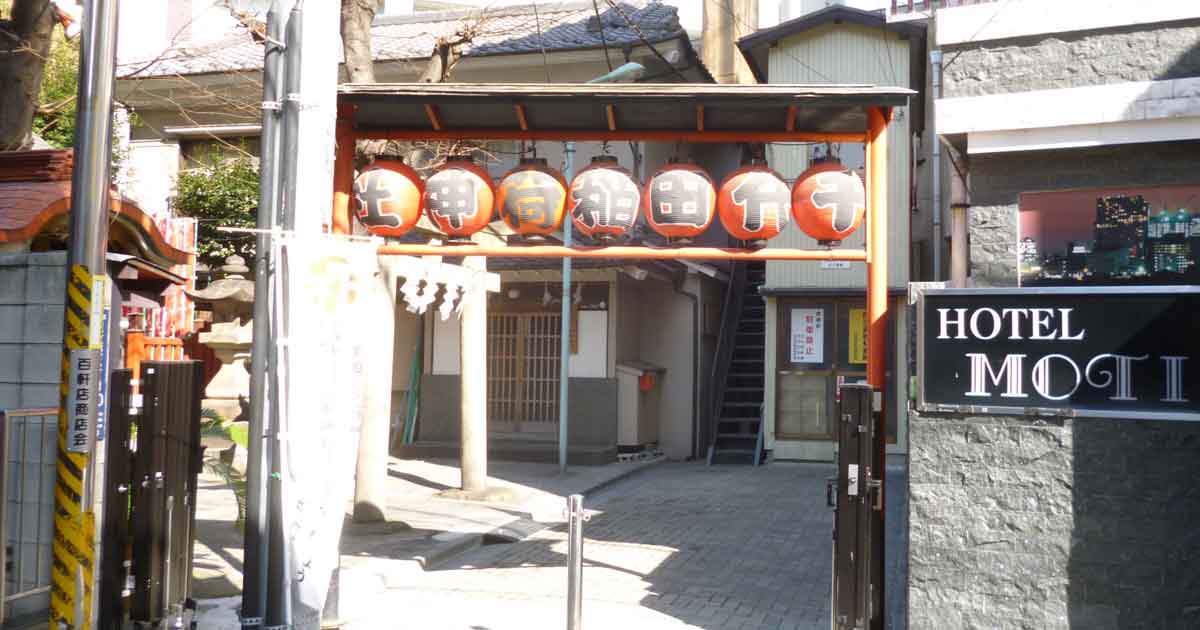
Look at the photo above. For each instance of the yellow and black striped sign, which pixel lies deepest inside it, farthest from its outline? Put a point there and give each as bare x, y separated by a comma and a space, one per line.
74, 527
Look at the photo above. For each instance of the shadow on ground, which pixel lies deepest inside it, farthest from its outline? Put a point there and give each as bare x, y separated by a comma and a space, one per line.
714, 547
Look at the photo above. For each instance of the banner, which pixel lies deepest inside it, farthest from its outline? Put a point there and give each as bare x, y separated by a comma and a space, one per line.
326, 340
1131, 235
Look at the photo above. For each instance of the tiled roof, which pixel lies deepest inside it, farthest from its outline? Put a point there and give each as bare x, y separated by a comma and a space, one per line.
556, 26
26, 208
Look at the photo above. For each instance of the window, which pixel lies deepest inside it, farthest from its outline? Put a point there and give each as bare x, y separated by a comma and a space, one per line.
823, 345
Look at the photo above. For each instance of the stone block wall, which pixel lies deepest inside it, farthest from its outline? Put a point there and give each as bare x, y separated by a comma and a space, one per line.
32, 290
1053, 523
997, 179
1064, 60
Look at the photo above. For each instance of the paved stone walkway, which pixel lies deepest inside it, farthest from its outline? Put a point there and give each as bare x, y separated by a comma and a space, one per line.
676, 546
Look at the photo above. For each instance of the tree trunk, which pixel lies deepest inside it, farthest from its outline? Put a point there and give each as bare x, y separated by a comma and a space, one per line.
357, 16
24, 48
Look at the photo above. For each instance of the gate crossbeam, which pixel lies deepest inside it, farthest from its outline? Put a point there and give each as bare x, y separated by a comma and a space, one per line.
625, 251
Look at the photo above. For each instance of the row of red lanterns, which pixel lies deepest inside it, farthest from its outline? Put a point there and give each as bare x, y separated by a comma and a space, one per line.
680, 201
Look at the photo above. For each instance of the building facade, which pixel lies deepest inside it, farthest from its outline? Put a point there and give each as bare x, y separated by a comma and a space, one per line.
1071, 142
837, 44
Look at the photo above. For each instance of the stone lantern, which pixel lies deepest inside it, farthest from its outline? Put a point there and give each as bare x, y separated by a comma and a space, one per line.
230, 336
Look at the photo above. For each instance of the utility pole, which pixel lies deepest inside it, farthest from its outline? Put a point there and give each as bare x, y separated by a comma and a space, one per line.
75, 555
473, 366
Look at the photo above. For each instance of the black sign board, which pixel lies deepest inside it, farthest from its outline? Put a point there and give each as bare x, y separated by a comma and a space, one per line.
1116, 352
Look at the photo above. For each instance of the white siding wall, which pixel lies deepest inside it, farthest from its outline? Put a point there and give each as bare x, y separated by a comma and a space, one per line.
151, 168
845, 54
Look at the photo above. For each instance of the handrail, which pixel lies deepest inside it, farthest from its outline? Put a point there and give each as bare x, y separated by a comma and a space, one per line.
762, 424
731, 312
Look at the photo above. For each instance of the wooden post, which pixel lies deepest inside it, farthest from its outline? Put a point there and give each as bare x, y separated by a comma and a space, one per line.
877, 256
343, 170
877, 316
473, 368
135, 351
959, 258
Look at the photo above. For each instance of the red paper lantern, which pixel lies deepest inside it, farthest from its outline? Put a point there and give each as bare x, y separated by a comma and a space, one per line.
753, 203
459, 197
828, 202
532, 199
387, 198
680, 200
604, 199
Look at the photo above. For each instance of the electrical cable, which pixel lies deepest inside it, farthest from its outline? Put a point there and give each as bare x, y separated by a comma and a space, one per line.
537, 20
975, 36
642, 36
724, 4
603, 39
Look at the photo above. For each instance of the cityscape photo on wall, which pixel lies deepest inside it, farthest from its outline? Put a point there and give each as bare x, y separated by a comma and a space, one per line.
1114, 236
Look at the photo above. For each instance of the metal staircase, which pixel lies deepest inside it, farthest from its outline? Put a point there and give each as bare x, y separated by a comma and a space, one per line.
738, 373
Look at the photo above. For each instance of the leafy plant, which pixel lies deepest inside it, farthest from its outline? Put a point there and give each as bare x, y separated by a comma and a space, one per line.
55, 118
213, 425
221, 191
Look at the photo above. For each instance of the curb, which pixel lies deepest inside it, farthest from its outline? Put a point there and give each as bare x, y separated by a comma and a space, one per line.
449, 549
644, 465
518, 529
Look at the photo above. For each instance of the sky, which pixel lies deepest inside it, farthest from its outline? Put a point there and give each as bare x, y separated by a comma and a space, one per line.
1053, 218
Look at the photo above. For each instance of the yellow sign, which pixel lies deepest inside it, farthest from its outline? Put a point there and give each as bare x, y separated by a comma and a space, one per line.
858, 335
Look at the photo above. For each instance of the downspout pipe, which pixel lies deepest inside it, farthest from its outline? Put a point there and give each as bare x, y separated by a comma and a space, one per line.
279, 595
628, 72
695, 298
935, 74
257, 534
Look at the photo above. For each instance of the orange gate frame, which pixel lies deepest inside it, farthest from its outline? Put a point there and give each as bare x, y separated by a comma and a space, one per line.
497, 97
874, 255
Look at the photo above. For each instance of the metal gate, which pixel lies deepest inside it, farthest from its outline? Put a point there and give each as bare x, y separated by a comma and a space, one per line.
523, 366
858, 522
28, 441
150, 495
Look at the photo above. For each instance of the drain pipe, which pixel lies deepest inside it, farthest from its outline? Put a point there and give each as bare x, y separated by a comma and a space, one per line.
695, 363
628, 72
935, 73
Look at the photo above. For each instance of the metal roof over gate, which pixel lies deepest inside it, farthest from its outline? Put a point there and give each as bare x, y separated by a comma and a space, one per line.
692, 112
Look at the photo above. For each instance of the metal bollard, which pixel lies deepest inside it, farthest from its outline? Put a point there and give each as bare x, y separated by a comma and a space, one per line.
575, 520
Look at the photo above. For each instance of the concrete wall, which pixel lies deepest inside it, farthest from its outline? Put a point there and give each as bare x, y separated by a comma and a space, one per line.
1063, 60
593, 410
32, 290
656, 327
997, 180
1026, 523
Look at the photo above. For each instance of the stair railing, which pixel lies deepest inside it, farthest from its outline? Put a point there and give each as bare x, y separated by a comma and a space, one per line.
731, 313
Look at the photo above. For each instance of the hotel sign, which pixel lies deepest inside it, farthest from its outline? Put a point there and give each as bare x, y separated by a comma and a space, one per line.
1129, 352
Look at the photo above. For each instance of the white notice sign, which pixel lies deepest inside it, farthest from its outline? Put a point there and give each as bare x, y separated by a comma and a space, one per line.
808, 335
81, 398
